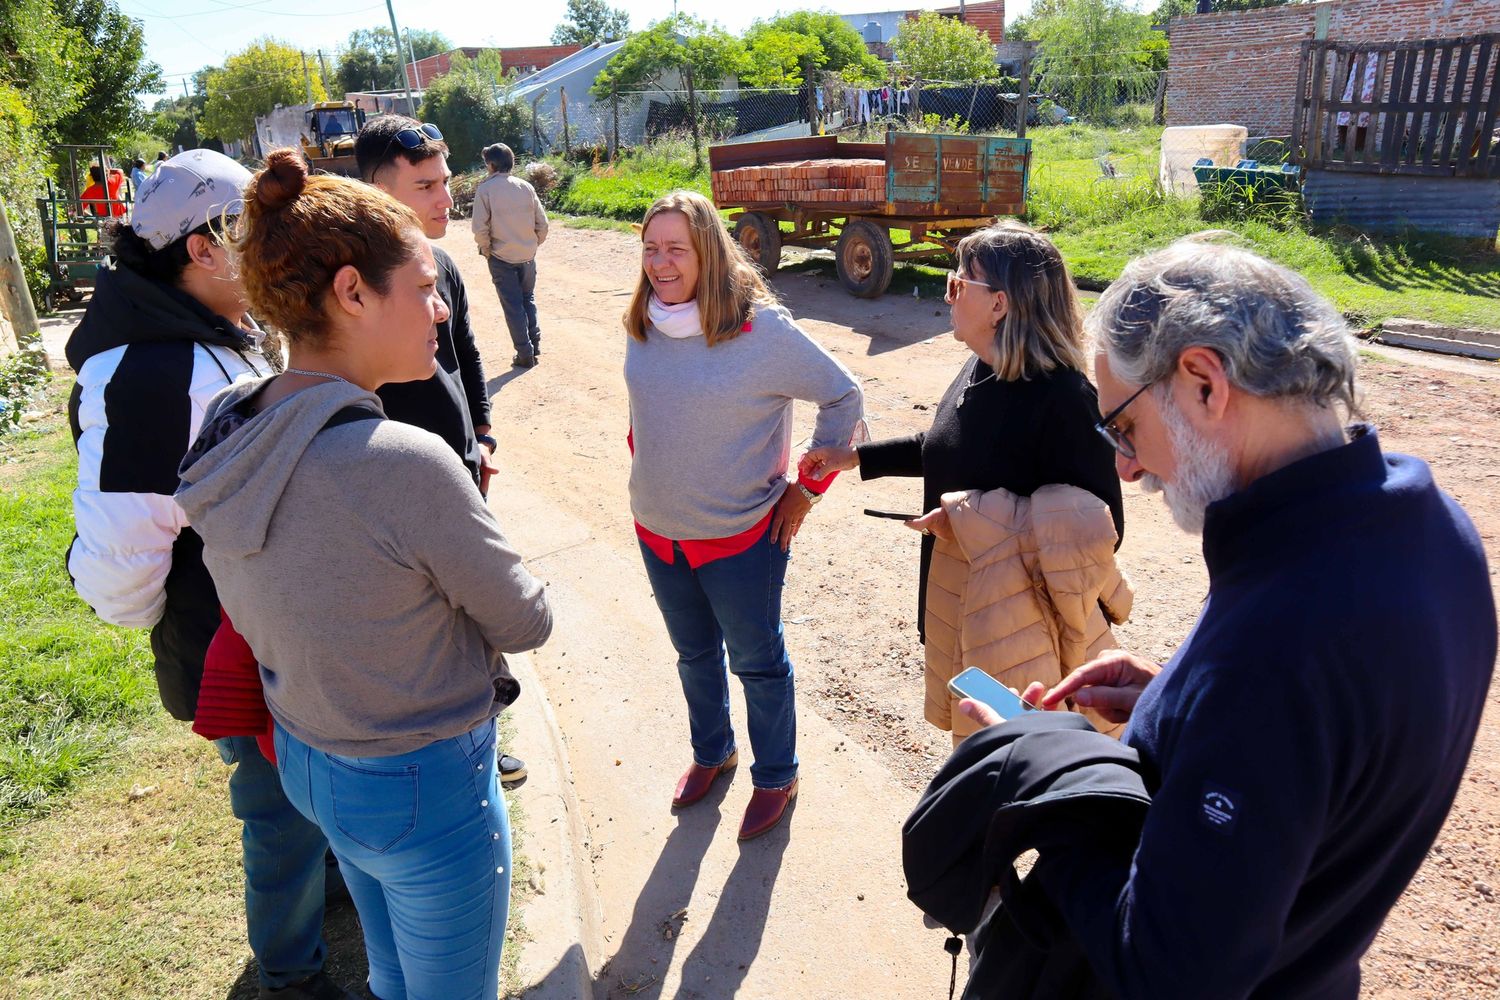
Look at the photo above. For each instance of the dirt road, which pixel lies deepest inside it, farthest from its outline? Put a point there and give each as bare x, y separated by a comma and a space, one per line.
851, 593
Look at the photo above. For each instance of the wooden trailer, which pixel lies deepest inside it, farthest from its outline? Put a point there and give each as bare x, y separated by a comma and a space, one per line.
851, 195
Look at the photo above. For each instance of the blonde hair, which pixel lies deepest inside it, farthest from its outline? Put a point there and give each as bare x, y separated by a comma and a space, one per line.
729, 286
1043, 327
296, 231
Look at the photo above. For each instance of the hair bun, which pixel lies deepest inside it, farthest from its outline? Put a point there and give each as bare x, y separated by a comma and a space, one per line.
282, 180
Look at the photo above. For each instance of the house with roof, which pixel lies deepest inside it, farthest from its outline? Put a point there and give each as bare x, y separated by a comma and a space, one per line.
589, 122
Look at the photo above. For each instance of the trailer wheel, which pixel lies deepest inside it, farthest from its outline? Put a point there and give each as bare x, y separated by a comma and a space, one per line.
760, 237
866, 260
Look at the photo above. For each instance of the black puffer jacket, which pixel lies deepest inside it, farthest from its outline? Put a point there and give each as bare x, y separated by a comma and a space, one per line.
1045, 781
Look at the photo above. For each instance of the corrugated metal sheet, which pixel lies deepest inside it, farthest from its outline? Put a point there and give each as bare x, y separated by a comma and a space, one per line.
1455, 206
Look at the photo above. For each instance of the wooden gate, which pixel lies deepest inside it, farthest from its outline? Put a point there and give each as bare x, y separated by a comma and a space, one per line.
1428, 108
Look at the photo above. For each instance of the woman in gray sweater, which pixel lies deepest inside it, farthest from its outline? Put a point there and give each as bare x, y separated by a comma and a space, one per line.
712, 366
375, 588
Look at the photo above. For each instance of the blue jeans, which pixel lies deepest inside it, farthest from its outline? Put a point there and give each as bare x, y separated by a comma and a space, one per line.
732, 604
516, 286
284, 868
424, 844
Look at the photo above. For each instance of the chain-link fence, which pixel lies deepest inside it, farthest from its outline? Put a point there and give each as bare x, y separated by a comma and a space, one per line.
626, 119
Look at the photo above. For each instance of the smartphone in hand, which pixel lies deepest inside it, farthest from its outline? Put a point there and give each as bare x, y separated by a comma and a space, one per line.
975, 683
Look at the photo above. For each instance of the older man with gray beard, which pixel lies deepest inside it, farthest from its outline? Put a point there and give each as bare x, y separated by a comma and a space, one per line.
1305, 743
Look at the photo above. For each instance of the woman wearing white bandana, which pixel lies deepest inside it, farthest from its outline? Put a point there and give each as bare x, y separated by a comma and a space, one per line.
712, 366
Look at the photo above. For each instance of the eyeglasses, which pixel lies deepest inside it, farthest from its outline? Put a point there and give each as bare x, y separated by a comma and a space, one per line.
954, 278
1117, 438
411, 137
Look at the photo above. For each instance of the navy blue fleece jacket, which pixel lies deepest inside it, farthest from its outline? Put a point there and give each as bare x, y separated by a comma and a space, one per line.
1305, 743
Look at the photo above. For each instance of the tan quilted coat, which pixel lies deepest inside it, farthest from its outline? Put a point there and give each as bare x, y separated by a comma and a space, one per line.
1018, 592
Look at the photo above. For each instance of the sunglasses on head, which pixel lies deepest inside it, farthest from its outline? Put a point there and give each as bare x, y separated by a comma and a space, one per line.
412, 137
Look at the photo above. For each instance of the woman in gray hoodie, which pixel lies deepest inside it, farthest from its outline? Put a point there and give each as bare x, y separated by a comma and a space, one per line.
371, 581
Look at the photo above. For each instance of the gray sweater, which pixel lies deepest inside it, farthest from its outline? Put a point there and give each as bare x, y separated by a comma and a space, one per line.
712, 426
363, 568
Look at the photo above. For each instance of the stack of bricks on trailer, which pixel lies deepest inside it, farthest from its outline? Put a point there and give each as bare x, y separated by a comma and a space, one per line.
851, 181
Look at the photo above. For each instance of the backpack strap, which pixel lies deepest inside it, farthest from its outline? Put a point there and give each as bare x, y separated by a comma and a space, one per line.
349, 415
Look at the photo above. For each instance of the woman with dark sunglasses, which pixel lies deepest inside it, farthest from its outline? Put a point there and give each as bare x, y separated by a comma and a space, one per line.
1020, 416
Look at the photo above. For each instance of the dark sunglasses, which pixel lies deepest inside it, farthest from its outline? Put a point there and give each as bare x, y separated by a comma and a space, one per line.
411, 137
1117, 438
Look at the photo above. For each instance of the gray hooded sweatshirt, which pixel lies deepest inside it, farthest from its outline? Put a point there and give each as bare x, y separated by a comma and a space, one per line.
364, 569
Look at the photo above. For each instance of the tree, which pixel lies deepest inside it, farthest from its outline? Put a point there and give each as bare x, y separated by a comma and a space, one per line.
41, 59
112, 61
370, 58
785, 50
590, 21
937, 47
1094, 53
424, 43
473, 111
369, 61
698, 52
780, 58
70, 71
253, 82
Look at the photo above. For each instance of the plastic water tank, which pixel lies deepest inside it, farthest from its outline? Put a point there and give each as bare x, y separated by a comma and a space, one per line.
872, 33
1184, 145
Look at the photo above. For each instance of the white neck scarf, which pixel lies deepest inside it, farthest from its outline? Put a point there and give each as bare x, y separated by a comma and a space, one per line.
678, 322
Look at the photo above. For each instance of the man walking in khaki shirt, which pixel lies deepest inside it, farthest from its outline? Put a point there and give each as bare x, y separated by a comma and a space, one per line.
509, 223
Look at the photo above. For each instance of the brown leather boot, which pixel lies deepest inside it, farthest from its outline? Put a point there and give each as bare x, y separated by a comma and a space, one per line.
767, 806
697, 780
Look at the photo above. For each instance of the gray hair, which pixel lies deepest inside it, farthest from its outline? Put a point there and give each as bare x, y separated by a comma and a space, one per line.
1276, 336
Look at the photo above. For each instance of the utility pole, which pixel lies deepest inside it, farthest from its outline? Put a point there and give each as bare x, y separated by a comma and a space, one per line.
411, 102
324, 64
412, 55
185, 89
306, 77
1023, 100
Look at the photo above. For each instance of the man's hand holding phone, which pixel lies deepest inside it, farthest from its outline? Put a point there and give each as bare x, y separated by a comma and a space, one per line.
1110, 685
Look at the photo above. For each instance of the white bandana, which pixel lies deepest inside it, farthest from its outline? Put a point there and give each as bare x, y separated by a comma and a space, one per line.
678, 322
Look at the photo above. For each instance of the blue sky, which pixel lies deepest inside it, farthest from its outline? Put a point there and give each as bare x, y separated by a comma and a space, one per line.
185, 35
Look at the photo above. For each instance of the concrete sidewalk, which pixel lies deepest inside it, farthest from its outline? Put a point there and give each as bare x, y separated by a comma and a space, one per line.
639, 901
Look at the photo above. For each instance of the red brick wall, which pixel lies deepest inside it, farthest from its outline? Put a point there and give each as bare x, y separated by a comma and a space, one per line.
424, 71
988, 16
1241, 68
536, 57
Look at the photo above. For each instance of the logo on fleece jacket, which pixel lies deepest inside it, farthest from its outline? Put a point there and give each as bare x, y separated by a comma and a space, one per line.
1219, 810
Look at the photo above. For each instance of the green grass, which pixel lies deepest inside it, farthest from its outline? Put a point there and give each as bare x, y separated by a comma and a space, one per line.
119, 857
1101, 224
625, 189
595, 222
70, 685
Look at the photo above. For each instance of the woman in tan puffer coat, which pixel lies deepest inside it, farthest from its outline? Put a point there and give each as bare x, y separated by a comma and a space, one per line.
1012, 462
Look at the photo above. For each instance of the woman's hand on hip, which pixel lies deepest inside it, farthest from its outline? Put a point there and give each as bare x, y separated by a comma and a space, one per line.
821, 462
791, 510
934, 522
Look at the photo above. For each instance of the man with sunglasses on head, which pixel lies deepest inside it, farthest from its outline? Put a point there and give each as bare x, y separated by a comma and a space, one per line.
408, 160
1305, 743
